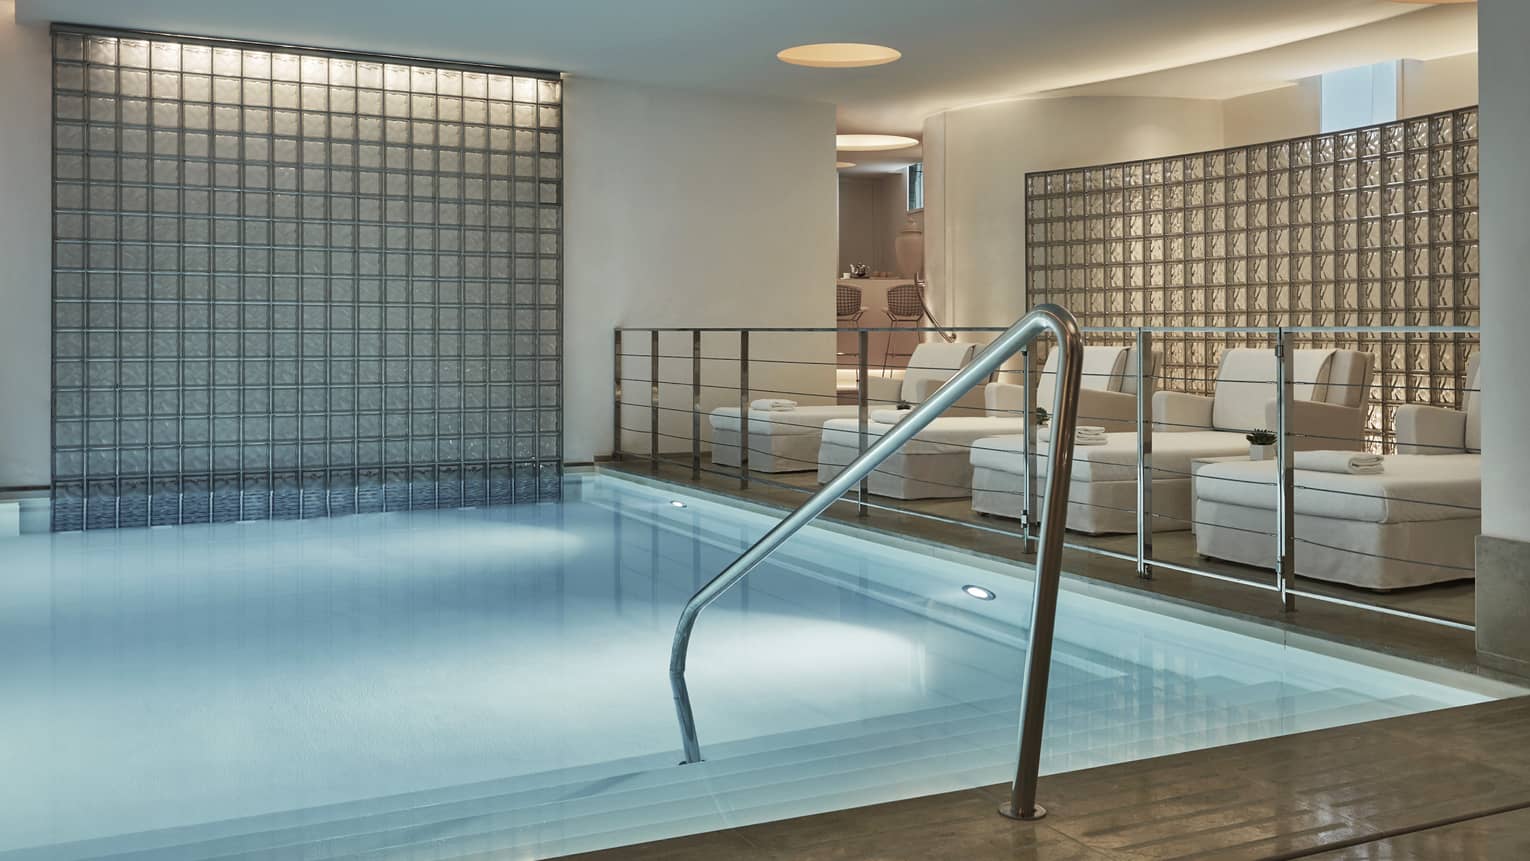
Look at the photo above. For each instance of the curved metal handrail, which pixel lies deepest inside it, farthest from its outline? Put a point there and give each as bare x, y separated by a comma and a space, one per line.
1044, 318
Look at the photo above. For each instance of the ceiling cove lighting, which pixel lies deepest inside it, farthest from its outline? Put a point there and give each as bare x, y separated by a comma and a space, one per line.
838, 55
872, 143
979, 593
844, 164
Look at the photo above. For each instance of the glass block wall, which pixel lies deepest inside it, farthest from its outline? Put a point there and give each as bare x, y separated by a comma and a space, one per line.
1371, 227
295, 283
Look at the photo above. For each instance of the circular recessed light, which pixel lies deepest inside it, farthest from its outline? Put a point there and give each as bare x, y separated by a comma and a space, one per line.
844, 164
872, 143
838, 55
980, 593
677, 503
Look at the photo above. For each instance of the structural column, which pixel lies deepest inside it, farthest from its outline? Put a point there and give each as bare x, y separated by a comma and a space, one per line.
1503, 551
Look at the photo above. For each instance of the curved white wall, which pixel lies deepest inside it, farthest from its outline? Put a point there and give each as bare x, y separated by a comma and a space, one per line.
976, 160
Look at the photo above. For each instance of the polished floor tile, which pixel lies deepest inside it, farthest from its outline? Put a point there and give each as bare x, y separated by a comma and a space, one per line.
1348, 787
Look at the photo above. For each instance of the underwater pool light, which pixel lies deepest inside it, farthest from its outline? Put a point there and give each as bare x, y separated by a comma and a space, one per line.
980, 593
677, 503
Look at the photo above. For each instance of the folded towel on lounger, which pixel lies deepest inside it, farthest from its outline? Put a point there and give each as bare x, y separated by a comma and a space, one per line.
1354, 463
1089, 435
773, 405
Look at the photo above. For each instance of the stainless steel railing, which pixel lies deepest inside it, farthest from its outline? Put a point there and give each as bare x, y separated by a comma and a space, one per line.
1287, 546
1045, 318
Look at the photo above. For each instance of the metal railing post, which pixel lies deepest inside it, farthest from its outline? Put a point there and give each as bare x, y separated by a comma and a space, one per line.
743, 409
1144, 458
616, 399
653, 404
1028, 461
695, 405
1285, 492
863, 413
1044, 318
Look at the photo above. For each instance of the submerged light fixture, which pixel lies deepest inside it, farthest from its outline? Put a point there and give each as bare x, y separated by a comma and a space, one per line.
838, 55
979, 593
872, 143
676, 503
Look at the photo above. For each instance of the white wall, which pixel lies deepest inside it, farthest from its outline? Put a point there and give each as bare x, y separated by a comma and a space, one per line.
872, 209
976, 160
1426, 87
25, 255
1430, 86
1273, 114
1505, 210
686, 208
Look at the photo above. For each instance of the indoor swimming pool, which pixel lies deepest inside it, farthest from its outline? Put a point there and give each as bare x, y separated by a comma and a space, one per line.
437, 683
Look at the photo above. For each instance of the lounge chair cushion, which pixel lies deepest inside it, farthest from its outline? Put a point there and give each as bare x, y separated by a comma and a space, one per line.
934, 360
1413, 487
945, 435
1104, 369
1117, 459
1245, 383
802, 420
1473, 397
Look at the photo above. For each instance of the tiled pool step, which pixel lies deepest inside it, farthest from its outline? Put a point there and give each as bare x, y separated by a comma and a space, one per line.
1097, 720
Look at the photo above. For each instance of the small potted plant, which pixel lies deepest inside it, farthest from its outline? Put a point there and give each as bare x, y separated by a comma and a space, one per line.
1042, 417
1261, 444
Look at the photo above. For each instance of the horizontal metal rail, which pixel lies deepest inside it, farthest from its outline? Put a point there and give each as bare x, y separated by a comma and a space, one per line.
1045, 318
1142, 555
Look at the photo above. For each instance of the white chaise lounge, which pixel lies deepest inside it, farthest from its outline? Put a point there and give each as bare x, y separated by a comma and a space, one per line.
787, 440
1415, 523
1329, 414
937, 464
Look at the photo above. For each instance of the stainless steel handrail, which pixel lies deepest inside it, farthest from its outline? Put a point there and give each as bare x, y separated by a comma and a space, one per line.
1033, 695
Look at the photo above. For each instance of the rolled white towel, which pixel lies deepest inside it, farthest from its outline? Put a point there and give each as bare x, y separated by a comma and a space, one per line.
1354, 463
773, 405
889, 417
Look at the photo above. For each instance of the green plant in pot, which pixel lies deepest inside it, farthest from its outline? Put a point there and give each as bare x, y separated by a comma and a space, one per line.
1042, 417
1261, 444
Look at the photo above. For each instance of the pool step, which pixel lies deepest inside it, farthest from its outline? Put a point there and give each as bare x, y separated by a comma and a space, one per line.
862, 762
972, 758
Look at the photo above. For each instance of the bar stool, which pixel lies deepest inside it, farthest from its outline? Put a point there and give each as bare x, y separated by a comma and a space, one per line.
847, 305
905, 304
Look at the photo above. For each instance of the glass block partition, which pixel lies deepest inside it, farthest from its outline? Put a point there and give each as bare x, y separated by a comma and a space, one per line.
291, 283
1374, 226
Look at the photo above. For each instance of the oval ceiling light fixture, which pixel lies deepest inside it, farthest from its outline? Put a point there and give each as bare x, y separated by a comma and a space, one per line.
872, 143
844, 164
838, 55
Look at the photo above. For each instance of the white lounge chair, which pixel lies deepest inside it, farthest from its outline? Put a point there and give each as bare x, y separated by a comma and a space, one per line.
1415, 523
787, 440
1329, 413
937, 463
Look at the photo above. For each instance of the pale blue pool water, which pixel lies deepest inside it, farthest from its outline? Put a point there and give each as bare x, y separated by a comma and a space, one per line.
495, 680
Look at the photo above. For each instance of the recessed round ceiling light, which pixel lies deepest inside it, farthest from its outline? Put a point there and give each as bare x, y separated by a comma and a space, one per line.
872, 143
838, 55
979, 593
844, 164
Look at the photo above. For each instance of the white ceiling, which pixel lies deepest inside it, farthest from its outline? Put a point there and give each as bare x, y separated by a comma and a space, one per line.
955, 52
